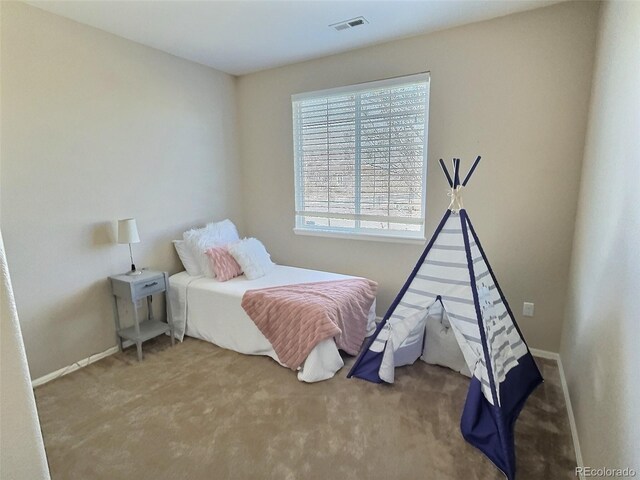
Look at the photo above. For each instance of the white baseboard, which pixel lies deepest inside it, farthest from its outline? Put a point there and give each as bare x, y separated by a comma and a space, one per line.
567, 400
572, 420
73, 367
544, 354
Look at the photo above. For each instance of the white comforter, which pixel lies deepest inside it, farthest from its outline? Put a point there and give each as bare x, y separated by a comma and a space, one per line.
210, 310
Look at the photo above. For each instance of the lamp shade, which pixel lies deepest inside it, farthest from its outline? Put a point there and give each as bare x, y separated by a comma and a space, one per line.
128, 231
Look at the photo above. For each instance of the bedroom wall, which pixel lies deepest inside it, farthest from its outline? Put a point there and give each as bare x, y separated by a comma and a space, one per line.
97, 128
22, 453
513, 89
600, 337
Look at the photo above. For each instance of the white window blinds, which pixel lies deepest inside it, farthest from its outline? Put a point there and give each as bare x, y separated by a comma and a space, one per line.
360, 158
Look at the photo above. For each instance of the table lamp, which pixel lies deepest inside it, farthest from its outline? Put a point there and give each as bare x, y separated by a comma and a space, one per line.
128, 233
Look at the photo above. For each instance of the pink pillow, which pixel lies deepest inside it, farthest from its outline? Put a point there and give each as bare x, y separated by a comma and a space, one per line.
224, 266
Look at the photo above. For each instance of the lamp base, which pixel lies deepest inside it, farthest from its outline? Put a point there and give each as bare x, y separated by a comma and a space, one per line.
134, 270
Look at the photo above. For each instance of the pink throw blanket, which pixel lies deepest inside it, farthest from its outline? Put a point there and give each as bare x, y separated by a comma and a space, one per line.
295, 318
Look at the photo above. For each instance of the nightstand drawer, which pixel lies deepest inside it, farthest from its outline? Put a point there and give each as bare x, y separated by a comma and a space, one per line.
148, 287
132, 288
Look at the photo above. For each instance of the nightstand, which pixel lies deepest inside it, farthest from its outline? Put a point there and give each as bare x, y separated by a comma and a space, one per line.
132, 288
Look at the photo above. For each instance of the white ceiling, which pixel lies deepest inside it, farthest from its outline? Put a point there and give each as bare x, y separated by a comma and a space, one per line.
240, 37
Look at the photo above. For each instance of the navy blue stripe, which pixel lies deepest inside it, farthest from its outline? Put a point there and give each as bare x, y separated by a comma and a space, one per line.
465, 234
456, 172
471, 170
446, 172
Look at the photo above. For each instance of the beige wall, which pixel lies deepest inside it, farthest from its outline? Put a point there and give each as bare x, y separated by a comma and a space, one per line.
97, 128
22, 454
600, 339
514, 89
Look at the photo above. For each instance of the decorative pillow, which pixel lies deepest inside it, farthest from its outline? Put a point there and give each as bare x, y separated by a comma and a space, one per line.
189, 263
252, 257
440, 345
213, 235
223, 264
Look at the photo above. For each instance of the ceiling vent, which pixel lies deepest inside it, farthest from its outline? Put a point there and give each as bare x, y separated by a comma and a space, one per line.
346, 24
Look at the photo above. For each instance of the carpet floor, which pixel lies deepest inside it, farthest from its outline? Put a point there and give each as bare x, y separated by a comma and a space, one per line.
196, 411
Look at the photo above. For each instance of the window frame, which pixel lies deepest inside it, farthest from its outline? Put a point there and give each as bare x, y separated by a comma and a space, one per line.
415, 237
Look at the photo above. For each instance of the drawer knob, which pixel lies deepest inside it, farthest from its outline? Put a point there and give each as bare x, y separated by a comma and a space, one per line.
150, 284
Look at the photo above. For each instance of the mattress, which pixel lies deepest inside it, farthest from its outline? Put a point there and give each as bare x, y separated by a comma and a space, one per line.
210, 310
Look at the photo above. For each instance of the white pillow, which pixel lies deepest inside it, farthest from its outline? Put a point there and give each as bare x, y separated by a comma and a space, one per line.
189, 263
213, 235
440, 345
252, 257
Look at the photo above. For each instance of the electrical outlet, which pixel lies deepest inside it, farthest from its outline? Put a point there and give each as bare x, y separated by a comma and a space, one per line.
140, 303
527, 309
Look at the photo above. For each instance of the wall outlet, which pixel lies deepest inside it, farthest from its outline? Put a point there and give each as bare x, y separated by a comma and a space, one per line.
140, 303
527, 309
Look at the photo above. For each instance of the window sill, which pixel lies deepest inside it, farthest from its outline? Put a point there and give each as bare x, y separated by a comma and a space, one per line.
371, 237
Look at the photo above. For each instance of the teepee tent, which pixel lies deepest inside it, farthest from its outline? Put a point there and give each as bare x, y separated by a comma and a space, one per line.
454, 274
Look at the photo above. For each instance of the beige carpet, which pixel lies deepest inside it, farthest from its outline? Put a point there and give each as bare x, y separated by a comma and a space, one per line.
196, 411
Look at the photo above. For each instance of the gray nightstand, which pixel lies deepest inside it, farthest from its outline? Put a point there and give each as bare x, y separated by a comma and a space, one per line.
132, 288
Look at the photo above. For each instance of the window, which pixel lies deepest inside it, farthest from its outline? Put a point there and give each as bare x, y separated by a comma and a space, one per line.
360, 159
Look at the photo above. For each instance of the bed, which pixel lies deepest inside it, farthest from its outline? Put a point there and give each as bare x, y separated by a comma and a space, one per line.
210, 310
